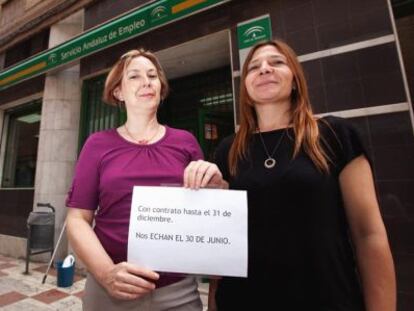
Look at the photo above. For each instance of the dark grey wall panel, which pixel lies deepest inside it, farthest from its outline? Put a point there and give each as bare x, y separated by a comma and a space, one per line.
23, 89
14, 209
362, 78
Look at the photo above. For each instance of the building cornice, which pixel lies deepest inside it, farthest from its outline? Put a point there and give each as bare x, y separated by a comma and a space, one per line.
37, 20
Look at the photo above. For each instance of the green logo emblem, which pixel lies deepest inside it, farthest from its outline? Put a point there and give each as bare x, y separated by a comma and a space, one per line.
254, 33
52, 58
158, 13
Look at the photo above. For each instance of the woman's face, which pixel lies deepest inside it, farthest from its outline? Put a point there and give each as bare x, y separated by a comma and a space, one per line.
140, 85
269, 78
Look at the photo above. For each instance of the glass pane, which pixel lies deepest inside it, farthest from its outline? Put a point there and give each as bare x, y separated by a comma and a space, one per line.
21, 149
202, 104
97, 115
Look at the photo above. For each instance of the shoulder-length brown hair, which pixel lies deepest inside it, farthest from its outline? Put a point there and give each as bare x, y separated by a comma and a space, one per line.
304, 123
114, 78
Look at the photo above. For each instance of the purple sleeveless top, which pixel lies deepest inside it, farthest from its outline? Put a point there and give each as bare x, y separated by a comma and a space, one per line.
107, 169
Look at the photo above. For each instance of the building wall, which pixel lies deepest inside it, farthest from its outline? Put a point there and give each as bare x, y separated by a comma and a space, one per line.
104, 10
22, 19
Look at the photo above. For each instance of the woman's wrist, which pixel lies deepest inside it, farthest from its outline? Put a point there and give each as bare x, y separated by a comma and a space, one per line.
101, 274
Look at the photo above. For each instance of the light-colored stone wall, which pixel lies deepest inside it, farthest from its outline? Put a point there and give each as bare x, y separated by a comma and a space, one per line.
13, 246
11, 11
31, 3
22, 19
16, 11
59, 130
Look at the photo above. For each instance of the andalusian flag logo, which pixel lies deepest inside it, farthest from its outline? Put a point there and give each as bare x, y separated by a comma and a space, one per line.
254, 33
158, 13
52, 58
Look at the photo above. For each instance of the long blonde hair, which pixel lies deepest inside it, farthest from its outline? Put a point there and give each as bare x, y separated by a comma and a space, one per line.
304, 122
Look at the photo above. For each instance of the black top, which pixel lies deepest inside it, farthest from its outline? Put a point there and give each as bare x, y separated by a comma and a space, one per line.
300, 256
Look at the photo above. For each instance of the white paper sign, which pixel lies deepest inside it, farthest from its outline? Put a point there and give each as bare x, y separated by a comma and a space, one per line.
189, 231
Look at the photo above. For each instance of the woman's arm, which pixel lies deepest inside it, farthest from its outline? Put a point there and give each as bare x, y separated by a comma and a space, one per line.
373, 253
123, 280
212, 294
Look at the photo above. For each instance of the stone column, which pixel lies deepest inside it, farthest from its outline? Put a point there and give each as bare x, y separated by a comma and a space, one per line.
59, 130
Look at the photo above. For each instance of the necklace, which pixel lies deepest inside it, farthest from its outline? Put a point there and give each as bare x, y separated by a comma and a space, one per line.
270, 162
141, 141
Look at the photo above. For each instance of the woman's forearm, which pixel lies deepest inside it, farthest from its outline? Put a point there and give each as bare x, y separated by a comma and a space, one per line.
377, 272
212, 294
88, 248
368, 235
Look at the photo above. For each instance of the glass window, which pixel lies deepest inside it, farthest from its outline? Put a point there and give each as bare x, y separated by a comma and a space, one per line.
97, 115
22, 137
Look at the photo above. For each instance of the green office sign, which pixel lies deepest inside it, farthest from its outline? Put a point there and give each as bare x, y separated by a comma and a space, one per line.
126, 27
253, 31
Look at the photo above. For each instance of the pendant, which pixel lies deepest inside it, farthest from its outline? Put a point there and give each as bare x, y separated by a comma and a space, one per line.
269, 162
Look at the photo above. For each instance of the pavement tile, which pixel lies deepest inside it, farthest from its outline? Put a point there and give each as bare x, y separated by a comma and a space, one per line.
42, 269
3, 287
33, 265
7, 265
29, 305
27, 287
79, 294
50, 296
5, 259
19, 275
19, 270
76, 287
77, 278
70, 303
11, 297
51, 280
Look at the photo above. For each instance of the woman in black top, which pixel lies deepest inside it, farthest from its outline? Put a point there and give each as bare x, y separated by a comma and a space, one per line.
313, 216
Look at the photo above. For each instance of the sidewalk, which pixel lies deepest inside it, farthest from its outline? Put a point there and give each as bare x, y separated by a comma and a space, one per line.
20, 292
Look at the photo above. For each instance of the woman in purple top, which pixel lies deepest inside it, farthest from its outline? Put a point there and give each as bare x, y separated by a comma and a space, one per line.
140, 152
